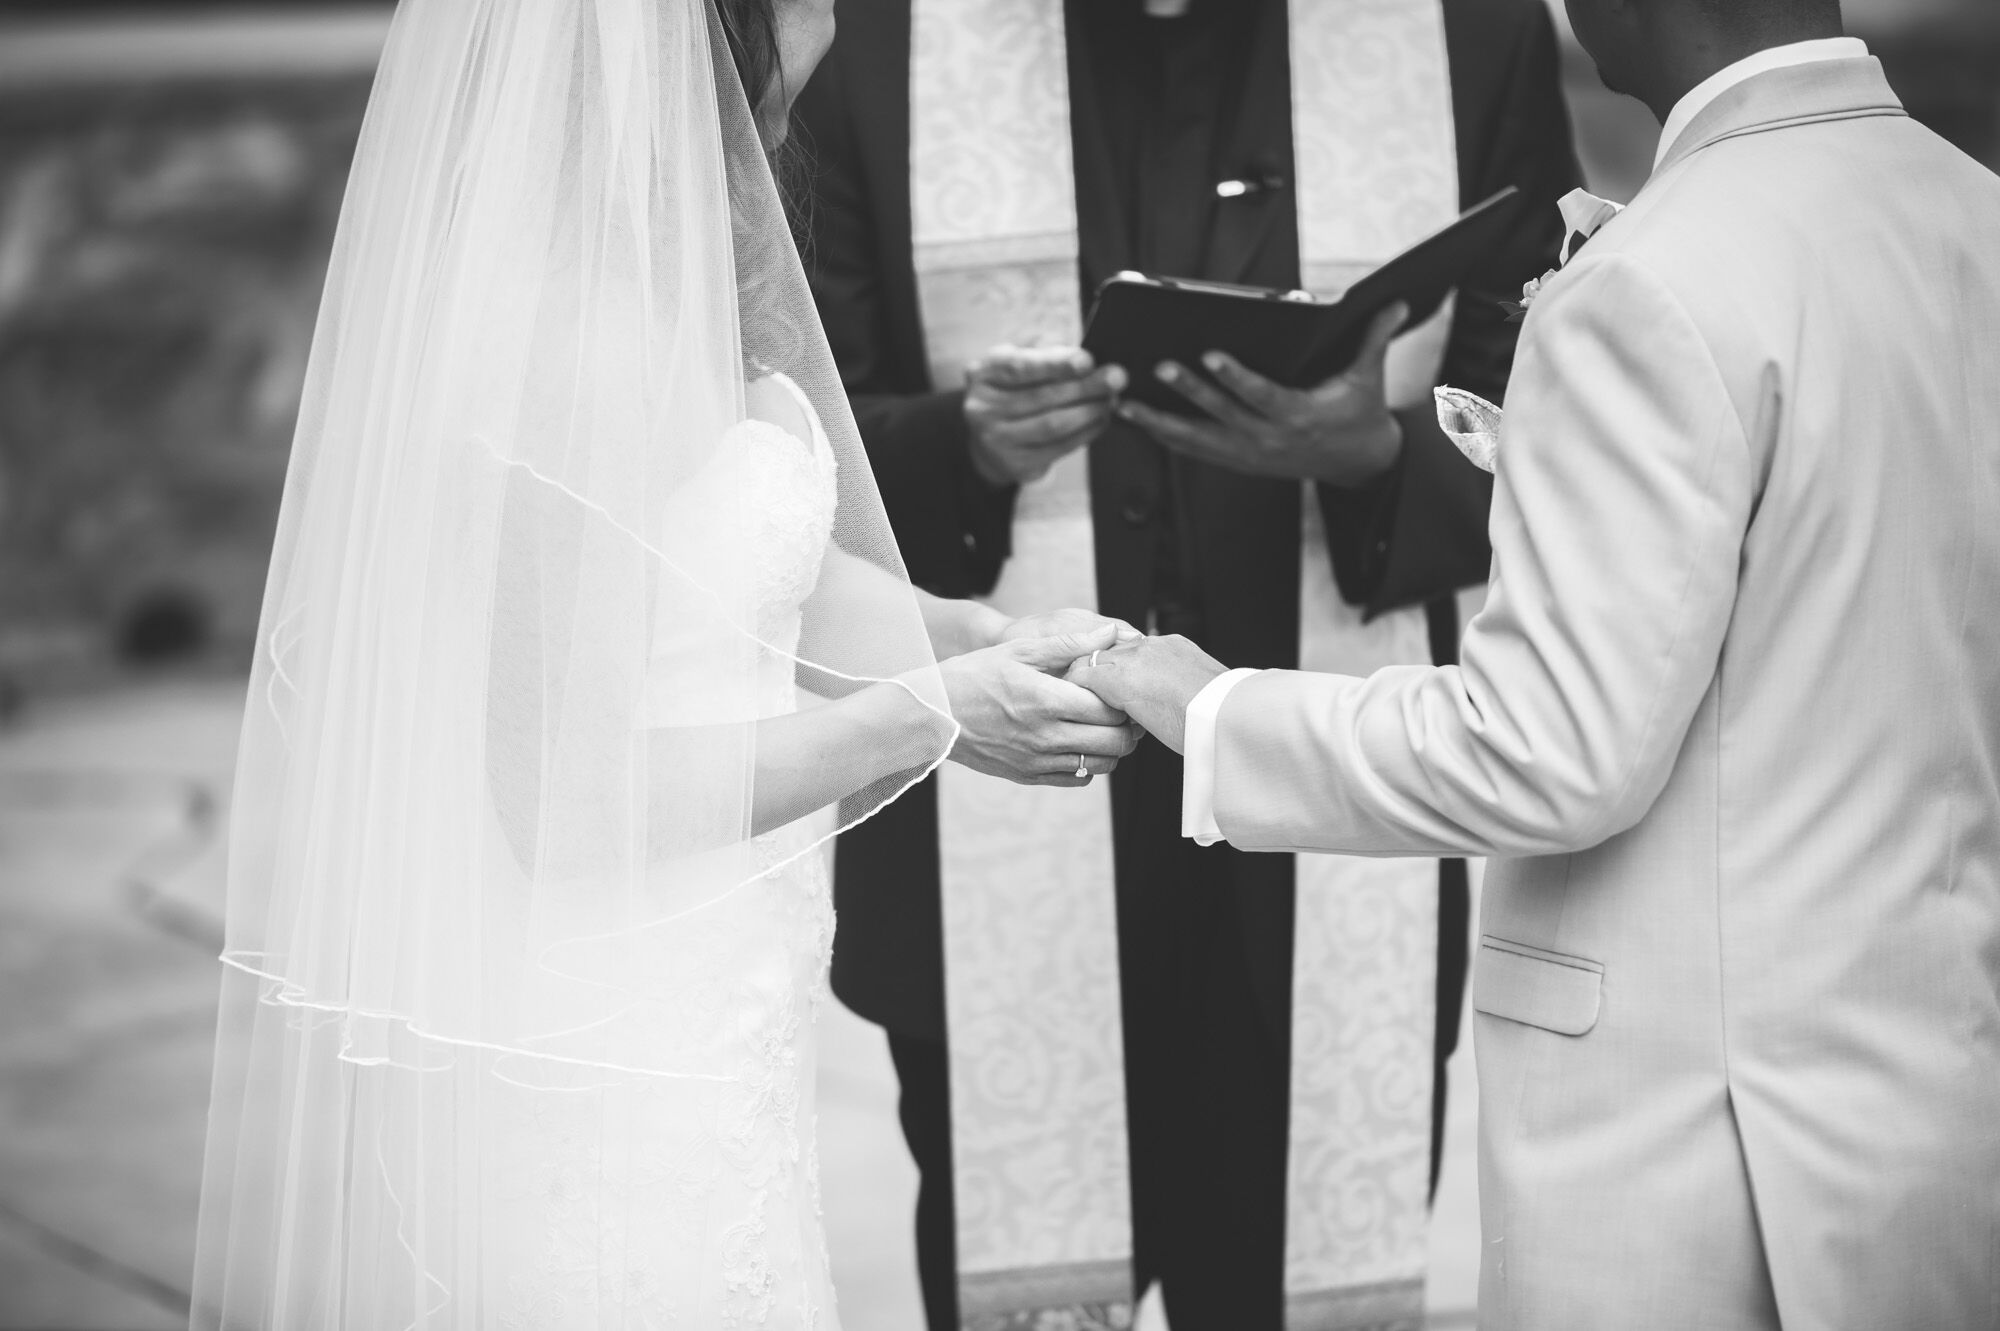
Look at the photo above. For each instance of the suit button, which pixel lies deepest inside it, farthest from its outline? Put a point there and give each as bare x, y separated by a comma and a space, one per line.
1136, 508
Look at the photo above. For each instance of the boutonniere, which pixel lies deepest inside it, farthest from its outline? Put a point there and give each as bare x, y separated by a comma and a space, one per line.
1517, 310
1584, 215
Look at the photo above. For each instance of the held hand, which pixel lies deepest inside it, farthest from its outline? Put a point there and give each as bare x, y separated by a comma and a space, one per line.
1019, 721
1340, 432
1152, 680
1029, 406
1067, 623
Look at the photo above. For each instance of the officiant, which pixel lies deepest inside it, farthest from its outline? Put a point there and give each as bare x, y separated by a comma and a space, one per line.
1112, 1072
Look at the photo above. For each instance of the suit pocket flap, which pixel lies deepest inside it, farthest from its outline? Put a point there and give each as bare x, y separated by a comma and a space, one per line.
1552, 990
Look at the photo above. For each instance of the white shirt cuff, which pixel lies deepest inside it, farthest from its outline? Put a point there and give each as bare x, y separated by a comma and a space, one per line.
1198, 784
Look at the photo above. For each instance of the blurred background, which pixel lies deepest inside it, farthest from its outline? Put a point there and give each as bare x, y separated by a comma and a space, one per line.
170, 175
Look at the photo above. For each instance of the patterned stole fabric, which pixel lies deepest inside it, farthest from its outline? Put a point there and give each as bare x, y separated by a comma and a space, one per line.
1031, 949
1031, 975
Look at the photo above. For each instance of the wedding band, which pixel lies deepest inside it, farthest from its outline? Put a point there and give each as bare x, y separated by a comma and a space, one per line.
1081, 768
1093, 660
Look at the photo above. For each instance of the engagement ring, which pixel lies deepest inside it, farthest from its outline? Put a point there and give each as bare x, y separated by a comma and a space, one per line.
1081, 769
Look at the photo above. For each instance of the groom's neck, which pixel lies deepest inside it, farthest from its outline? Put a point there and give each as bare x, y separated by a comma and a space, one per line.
1696, 46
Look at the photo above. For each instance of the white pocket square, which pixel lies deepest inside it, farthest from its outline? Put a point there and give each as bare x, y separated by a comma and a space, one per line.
1473, 424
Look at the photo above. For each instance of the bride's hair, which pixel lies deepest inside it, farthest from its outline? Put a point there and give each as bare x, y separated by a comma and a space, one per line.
752, 29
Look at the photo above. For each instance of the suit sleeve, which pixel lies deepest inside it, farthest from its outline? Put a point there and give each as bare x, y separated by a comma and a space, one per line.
952, 527
1624, 493
1418, 532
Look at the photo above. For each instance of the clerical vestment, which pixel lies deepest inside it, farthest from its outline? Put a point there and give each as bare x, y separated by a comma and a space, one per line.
1032, 990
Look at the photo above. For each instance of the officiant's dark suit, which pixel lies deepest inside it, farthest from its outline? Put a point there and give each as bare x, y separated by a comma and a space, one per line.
1163, 110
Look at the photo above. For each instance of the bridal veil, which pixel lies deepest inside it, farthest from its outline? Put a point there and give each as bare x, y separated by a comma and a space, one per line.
501, 731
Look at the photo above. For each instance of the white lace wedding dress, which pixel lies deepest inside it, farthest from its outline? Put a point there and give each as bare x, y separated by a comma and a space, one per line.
668, 1203
516, 1023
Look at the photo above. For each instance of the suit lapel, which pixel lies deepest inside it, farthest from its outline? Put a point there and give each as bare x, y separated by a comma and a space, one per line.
1796, 95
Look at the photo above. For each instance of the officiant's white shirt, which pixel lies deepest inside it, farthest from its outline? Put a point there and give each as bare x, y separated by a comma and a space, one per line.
1198, 783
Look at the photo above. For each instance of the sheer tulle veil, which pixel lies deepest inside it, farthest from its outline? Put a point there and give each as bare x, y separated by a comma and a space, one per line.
500, 745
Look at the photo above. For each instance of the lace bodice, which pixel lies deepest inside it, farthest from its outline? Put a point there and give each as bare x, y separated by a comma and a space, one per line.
793, 483
765, 500
667, 1203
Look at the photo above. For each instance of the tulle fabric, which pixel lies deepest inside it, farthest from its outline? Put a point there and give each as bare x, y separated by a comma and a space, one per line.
503, 955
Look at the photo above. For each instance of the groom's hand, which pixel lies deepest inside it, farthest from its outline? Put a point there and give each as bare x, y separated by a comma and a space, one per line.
1152, 680
1026, 407
1340, 432
1018, 720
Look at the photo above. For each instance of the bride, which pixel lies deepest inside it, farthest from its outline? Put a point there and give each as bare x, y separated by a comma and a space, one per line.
584, 634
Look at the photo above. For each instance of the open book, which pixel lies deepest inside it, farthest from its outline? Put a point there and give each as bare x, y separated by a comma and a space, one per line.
1291, 337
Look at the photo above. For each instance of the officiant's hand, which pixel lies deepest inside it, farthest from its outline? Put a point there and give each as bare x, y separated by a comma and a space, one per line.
1027, 407
1020, 721
1152, 680
1340, 432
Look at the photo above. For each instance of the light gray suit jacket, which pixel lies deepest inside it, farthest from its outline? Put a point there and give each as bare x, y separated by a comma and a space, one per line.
1730, 728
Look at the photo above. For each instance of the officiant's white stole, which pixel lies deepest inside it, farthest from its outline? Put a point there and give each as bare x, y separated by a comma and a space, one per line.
1031, 970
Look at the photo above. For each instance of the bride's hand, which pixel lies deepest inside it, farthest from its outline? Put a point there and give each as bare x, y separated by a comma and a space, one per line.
1067, 623
1020, 721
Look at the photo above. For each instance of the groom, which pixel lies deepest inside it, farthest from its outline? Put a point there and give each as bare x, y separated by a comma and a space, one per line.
1729, 723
